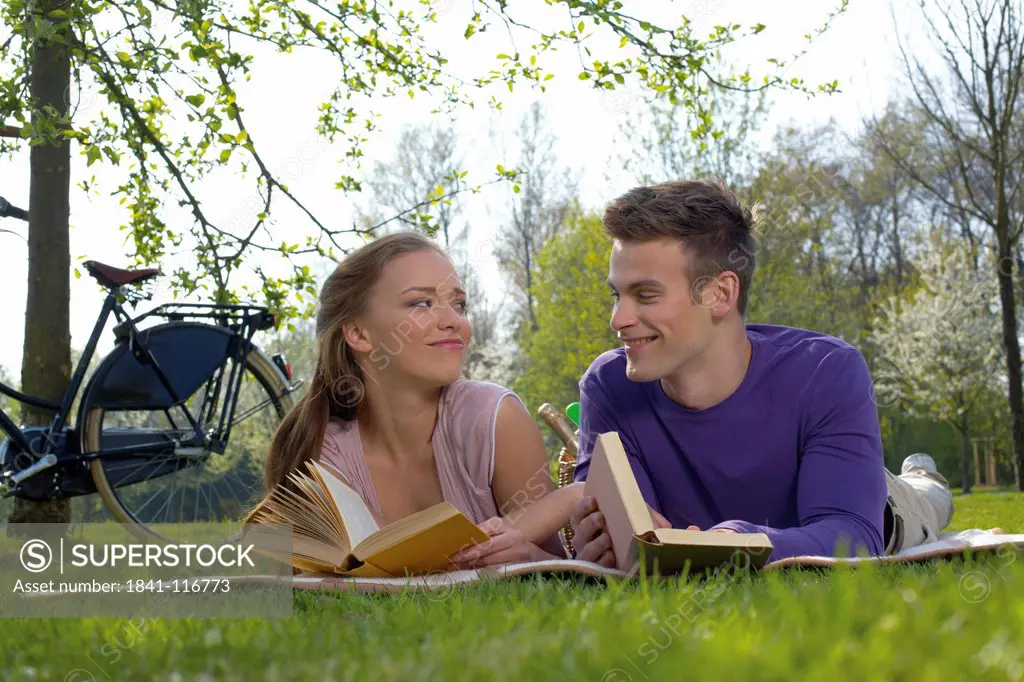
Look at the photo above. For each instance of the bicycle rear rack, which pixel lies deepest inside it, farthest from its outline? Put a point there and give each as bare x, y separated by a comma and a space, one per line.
225, 314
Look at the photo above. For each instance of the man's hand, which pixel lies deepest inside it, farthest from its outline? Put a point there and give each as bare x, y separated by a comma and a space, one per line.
713, 530
589, 538
590, 534
659, 520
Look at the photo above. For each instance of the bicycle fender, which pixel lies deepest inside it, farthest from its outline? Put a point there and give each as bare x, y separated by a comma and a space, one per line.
187, 353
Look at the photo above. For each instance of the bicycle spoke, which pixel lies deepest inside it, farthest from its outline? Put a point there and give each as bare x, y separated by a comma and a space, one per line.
196, 516
165, 504
151, 498
209, 502
143, 463
250, 412
227, 479
181, 509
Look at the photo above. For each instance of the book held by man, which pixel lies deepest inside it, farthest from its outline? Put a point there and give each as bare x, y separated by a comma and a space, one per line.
636, 541
333, 531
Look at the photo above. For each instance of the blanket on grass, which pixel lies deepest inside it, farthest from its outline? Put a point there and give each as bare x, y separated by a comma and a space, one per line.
967, 543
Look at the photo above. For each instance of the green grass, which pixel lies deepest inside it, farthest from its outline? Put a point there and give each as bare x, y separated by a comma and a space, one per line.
1002, 508
943, 621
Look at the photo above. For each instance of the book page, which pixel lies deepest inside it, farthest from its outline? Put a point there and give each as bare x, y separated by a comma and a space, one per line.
298, 511
610, 446
611, 483
327, 526
702, 538
354, 513
307, 518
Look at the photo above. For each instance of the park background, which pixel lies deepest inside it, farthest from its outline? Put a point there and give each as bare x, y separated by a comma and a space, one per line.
885, 215
883, 148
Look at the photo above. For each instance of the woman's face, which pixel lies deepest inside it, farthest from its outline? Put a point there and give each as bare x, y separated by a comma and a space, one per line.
415, 325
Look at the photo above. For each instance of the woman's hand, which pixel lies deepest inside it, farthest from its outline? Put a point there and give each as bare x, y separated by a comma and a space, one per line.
506, 545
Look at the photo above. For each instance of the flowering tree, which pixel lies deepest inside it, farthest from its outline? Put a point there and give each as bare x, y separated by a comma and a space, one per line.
944, 338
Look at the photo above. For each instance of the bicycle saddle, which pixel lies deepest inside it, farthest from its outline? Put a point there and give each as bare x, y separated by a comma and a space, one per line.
109, 276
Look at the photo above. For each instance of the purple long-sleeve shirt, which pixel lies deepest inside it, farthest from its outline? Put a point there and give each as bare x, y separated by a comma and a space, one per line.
795, 452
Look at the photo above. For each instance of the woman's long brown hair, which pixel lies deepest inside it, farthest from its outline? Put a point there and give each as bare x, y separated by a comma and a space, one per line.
336, 388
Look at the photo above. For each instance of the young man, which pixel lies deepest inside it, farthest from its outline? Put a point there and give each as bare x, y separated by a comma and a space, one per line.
736, 427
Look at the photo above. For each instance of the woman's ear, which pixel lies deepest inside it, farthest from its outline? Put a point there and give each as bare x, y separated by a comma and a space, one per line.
356, 337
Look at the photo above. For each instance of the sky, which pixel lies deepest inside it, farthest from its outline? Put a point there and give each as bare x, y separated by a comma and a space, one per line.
281, 100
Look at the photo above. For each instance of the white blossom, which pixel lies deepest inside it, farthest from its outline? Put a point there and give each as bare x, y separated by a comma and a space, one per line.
944, 339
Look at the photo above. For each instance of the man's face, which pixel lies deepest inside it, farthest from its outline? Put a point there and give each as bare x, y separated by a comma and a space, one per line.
655, 316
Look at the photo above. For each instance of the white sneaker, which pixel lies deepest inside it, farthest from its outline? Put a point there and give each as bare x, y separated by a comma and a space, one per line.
921, 459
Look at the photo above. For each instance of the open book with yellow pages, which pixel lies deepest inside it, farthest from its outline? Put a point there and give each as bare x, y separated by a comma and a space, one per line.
635, 540
333, 531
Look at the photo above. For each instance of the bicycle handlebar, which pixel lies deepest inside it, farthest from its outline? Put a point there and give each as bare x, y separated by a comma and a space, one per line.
9, 211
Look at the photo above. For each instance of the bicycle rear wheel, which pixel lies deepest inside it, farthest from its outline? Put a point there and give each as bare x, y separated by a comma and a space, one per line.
181, 485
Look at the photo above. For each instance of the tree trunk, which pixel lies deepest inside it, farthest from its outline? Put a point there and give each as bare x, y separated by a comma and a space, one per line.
1016, 460
965, 455
529, 285
46, 358
1016, 474
1011, 344
897, 245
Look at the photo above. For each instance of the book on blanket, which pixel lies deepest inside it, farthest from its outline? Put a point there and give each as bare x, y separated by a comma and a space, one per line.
333, 531
612, 484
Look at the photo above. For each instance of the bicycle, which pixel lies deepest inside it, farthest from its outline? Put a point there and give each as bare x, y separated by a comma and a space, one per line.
161, 407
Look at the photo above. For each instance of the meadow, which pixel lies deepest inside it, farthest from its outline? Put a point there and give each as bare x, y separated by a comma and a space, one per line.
945, 620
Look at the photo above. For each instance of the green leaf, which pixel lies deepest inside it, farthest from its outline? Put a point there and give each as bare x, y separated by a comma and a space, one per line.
93, 155
196, 100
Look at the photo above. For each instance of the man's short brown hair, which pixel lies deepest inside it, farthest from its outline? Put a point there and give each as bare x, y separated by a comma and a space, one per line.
714, 226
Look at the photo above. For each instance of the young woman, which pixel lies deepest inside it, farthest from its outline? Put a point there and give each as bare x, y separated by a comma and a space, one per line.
388, 409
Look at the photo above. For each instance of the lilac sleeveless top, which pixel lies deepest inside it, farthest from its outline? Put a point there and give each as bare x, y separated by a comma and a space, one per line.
463, 443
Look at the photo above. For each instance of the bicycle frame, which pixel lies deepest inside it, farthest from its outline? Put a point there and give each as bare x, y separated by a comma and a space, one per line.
110, 304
